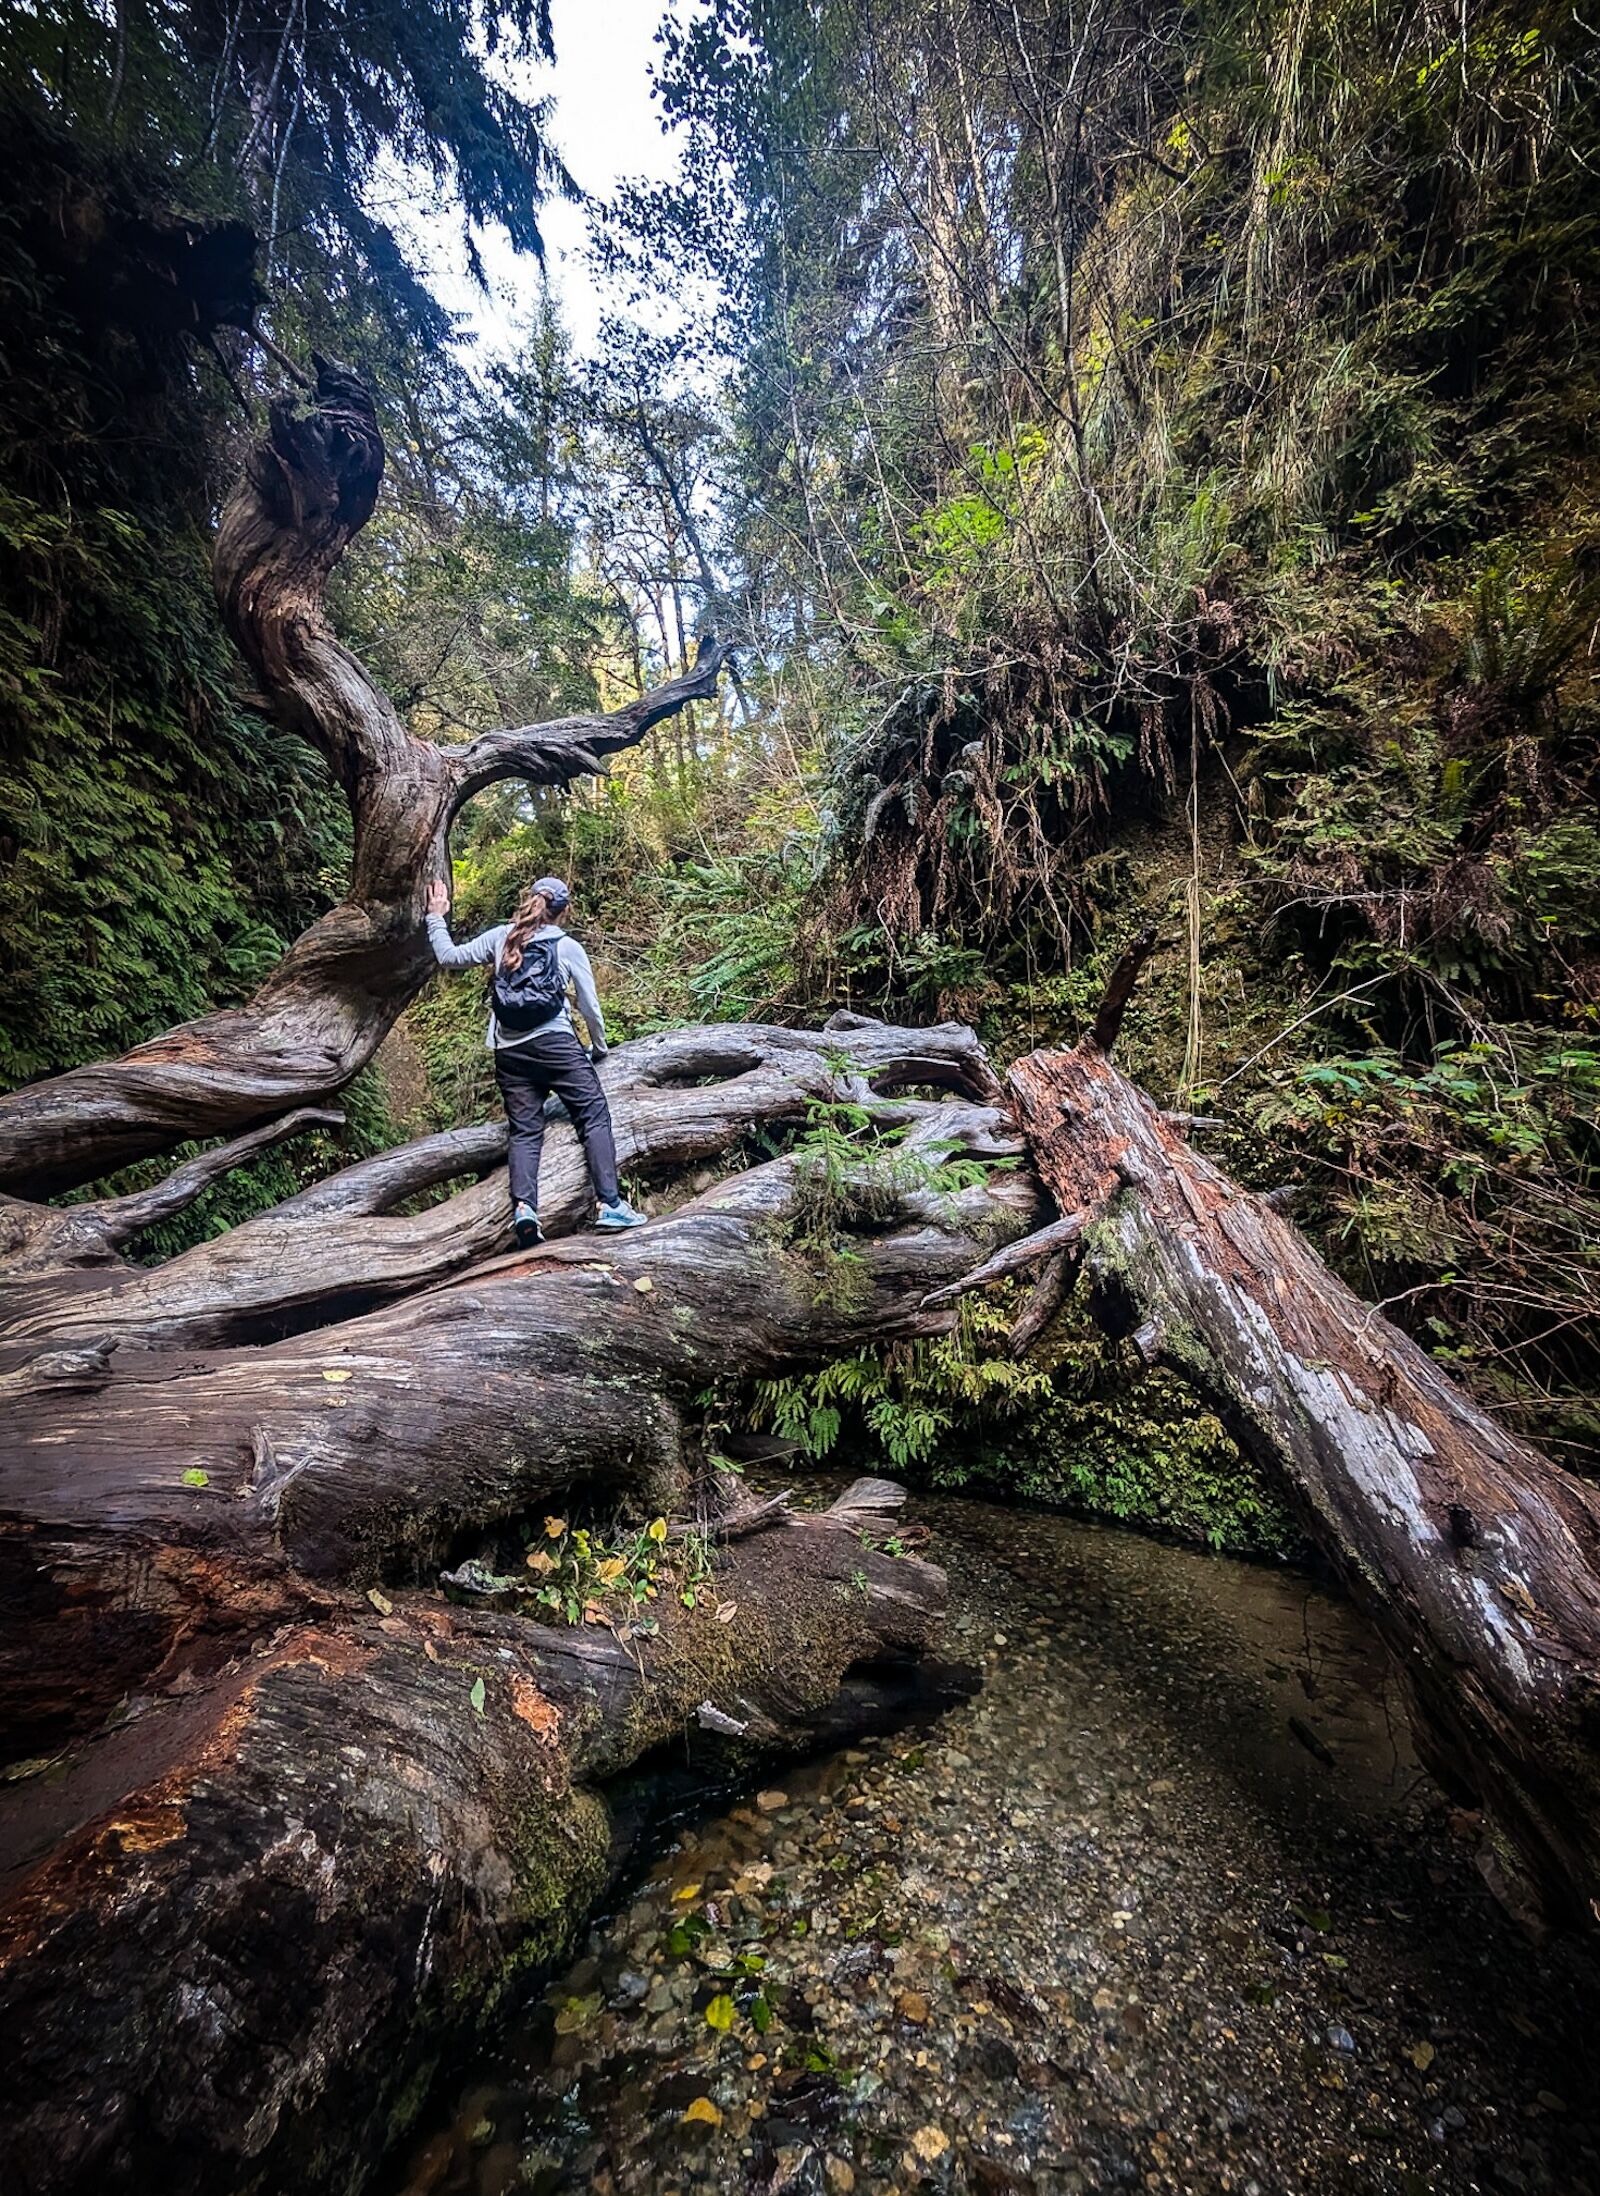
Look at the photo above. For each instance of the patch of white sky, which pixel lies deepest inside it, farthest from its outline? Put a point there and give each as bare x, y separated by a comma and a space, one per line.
607, 128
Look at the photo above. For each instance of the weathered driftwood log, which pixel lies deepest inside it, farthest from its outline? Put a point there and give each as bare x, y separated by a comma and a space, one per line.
1477, 1559
236, 1935
679, 1099
153, 1509
306, 491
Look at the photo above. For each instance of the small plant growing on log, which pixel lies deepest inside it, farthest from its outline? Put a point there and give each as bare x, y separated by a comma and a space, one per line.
586, 1579
853, 1174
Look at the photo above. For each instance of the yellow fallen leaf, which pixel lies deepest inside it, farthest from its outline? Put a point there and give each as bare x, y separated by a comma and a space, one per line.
644, 1284
611, 1570
381, 1602
703, 2113
554, 1527
328, 1373
1422, 2056
657, 1530
930, 2143
689, 1891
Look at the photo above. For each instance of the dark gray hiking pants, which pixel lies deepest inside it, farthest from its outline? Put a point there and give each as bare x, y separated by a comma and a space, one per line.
527, 1075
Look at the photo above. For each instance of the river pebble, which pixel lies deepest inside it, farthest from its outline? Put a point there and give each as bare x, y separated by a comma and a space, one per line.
1113, 1923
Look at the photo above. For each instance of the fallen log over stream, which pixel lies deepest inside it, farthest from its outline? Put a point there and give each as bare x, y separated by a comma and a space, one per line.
284, 1818
295, 1819
1476, 1558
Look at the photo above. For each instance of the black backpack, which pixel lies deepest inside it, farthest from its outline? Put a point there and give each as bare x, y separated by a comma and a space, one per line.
534, 993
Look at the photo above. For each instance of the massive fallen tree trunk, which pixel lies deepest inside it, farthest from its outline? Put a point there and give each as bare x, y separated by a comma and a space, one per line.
300, 1815
236, 1937
1476, 1558
307, 490
155, 1513
679, 1100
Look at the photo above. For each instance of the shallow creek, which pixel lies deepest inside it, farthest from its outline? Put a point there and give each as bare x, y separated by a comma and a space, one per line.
1166, 1904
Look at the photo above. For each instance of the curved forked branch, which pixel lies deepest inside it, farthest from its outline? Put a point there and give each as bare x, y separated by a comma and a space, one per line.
567, 747
305, 491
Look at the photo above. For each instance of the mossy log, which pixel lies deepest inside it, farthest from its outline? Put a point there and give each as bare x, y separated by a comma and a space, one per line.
267, 1858
1476, 1558
237, 1934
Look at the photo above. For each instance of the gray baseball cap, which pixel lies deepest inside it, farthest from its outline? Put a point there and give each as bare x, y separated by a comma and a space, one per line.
555, 893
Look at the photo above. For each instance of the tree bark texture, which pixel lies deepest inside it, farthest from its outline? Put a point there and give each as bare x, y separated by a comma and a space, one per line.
1477, 1559
678, 1100
158, 1507
306, 491
237, 1934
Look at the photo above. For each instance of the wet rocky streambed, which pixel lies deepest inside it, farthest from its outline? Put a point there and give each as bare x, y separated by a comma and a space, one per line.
1165, 1904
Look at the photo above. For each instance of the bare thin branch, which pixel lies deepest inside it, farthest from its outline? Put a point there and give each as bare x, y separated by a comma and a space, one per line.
571, 747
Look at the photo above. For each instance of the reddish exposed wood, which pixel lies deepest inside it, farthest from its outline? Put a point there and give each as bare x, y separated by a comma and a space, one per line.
233, 1936
1477, 1558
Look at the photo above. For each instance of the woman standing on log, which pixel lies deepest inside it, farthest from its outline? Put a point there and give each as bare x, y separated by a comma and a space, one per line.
536, 1051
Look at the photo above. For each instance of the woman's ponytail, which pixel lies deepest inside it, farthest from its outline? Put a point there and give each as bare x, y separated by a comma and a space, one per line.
533, 912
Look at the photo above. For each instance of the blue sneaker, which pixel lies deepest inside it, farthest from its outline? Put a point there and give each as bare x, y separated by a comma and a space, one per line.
525, 1227
618, 1216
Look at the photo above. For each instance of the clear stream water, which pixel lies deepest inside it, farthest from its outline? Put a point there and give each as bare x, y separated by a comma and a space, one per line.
1165, 1905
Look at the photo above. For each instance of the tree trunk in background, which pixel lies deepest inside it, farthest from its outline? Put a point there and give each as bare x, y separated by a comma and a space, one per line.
1476, 1558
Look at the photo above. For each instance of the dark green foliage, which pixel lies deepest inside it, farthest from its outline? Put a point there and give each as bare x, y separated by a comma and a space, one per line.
1073, 1427
159, 842
1165, 440
288, 117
